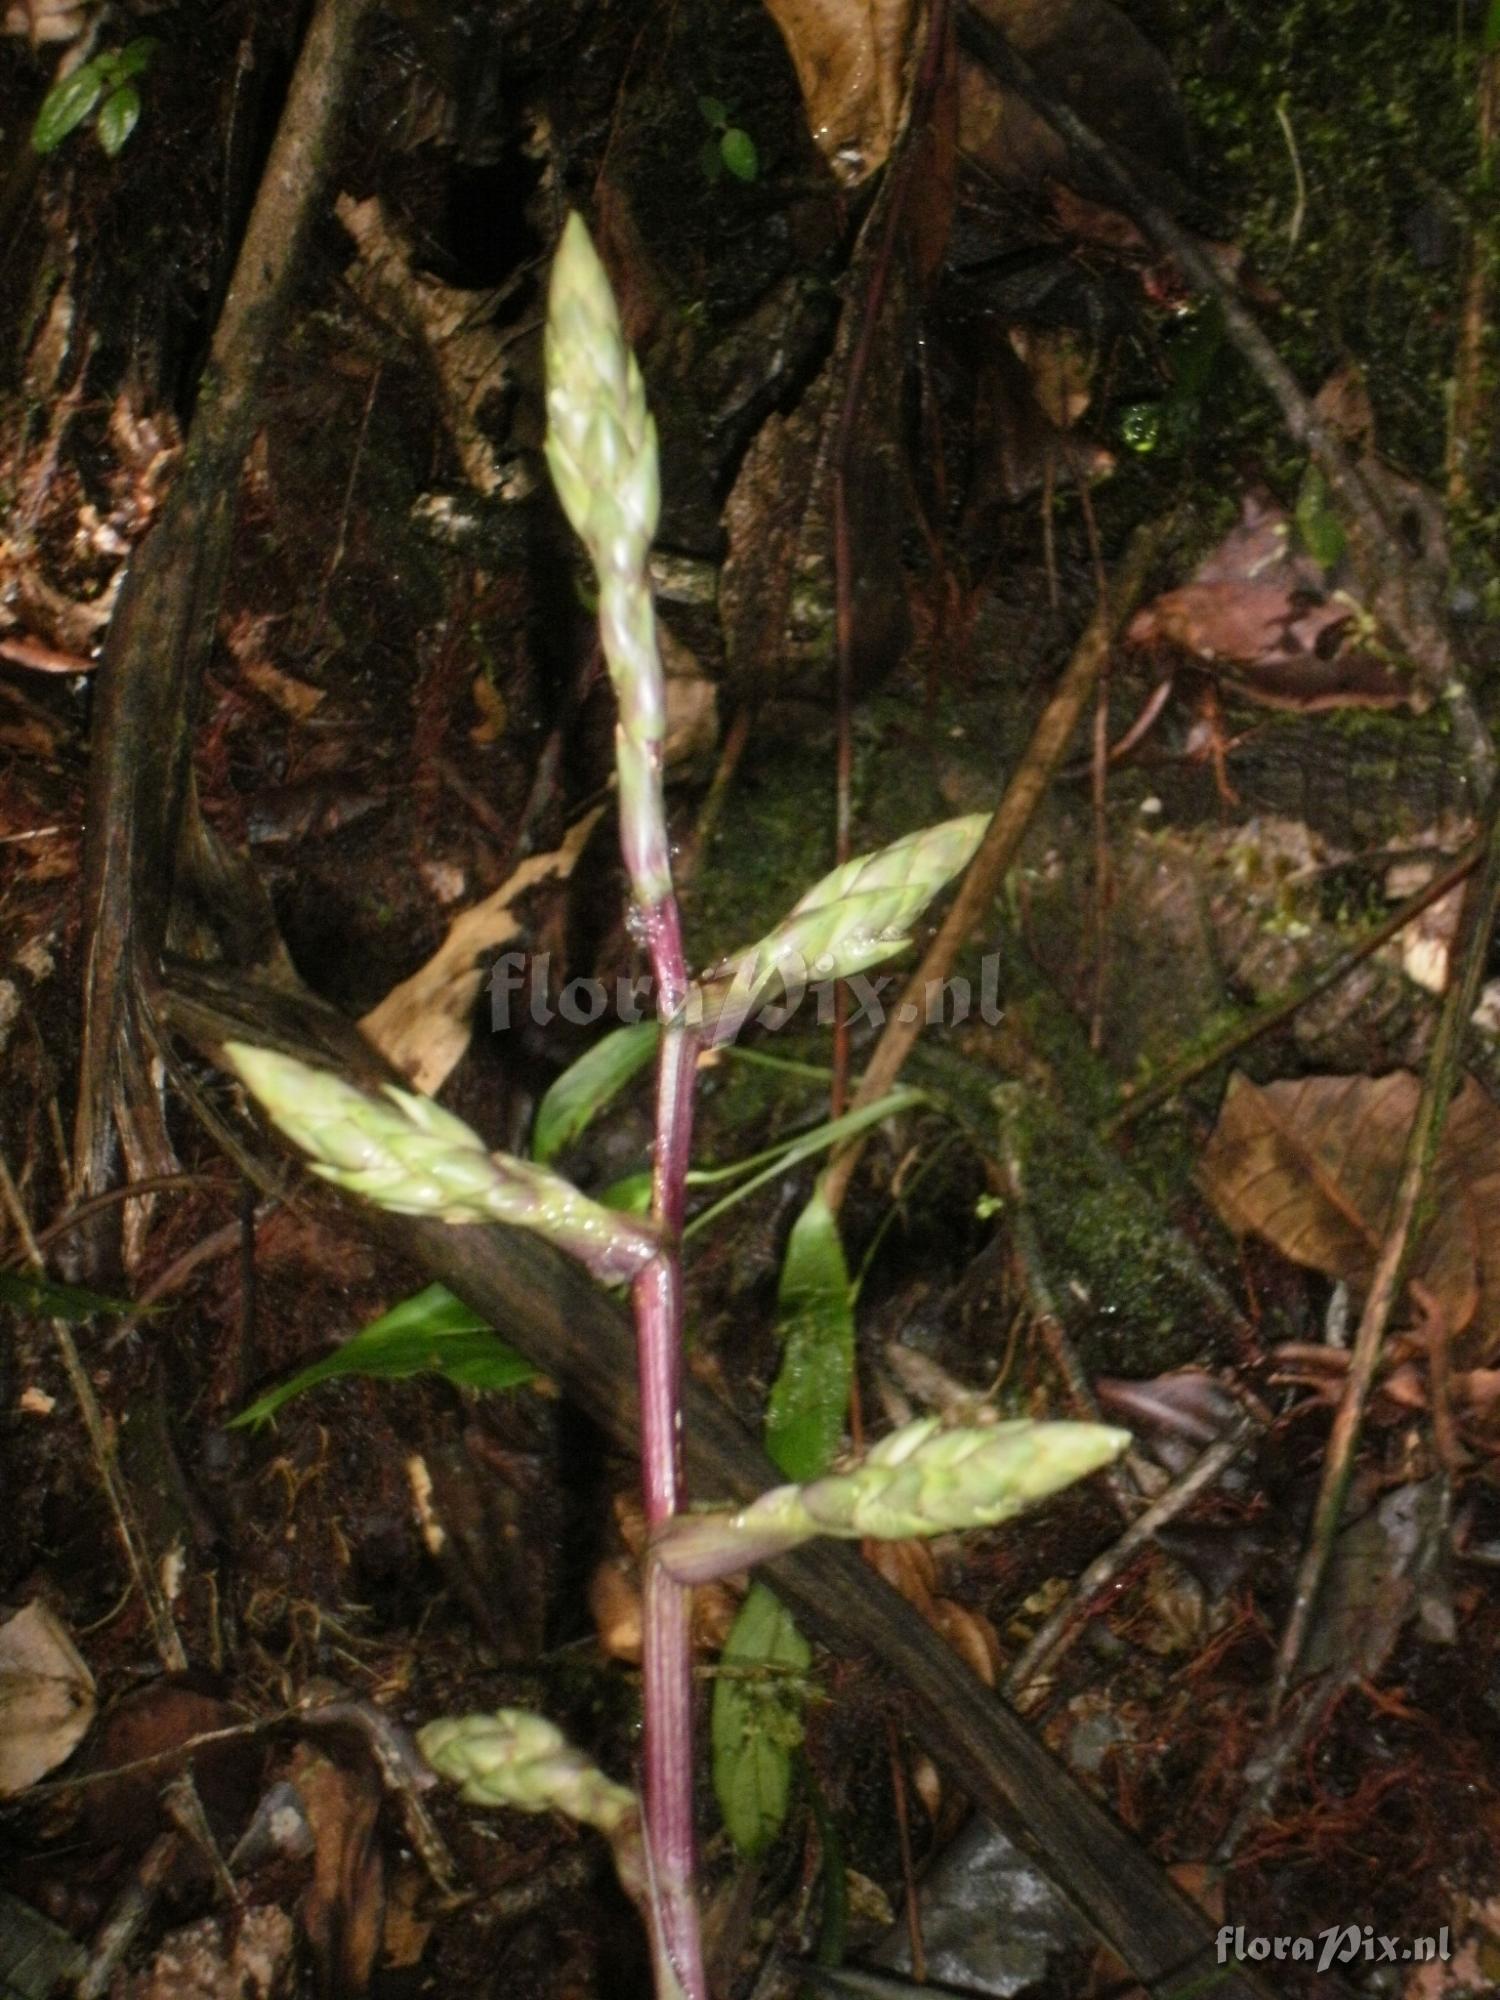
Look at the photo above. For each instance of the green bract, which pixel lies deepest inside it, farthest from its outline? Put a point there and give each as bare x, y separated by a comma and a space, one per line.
406, 1154
601, 450
921, 1480
515, 1758
857, 916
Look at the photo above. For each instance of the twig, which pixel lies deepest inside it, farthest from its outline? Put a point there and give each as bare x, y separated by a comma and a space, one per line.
1066, 1621
1481, 902
1044, 754
1299, 207
1473, 384
893, 194
908, 1868
696, 846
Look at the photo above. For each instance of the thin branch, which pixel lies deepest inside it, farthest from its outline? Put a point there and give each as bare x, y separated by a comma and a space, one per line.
1044, 754
1264, 1019
164, 1633
1387, 1285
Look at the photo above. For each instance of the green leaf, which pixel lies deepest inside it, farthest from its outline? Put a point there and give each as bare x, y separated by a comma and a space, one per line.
794, 1151
737, 151
1318, 527
66, 105
582, 1091
70, 1302
810, 1396
119, 115
631, 1196
431, 1331
715, 112
132, 60
1491, 38
757, 1719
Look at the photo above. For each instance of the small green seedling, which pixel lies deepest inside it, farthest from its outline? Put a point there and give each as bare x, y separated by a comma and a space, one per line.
102, 89
728, 148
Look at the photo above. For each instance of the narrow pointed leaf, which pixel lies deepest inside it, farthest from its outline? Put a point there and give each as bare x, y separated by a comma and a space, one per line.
584, 1089
65, 107
810, 1396
30, 1294
431, 1332
757, 1719
119, 115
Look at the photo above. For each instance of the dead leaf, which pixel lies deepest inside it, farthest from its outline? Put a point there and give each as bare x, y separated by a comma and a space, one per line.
615, 1594
1312, 1167
1261, 610
148, 1737
850, 59
246, 637
911, 1568
407, 1924
1385, 1564
1089, 55
46, 1697
765, 522
344, 1909
423, 1025
46, 20
692, 703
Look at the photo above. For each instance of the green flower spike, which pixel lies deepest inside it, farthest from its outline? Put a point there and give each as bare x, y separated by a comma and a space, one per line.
921, 1480
518, 1759
406, 1154
854, 918
601, 451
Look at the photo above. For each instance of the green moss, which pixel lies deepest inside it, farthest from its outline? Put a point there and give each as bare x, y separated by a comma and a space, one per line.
1378, 104
1136, 1295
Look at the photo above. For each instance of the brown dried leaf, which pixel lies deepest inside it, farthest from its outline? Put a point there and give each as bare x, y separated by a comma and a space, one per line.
850, 58
1258, 608
46, 1697
344, 1909
423, 1025
1312, 1166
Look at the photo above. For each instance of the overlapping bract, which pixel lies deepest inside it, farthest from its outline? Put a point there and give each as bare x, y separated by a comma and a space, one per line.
855, 917
513, 1757
601, 450
921, 1480
406, 1154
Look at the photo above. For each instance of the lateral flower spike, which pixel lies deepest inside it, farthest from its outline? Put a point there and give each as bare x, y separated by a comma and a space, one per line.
601, 451
921, 1480
405, 1153
518, 1759
855, 917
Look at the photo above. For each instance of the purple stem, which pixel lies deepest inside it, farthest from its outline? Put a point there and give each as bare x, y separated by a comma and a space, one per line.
666, 1644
